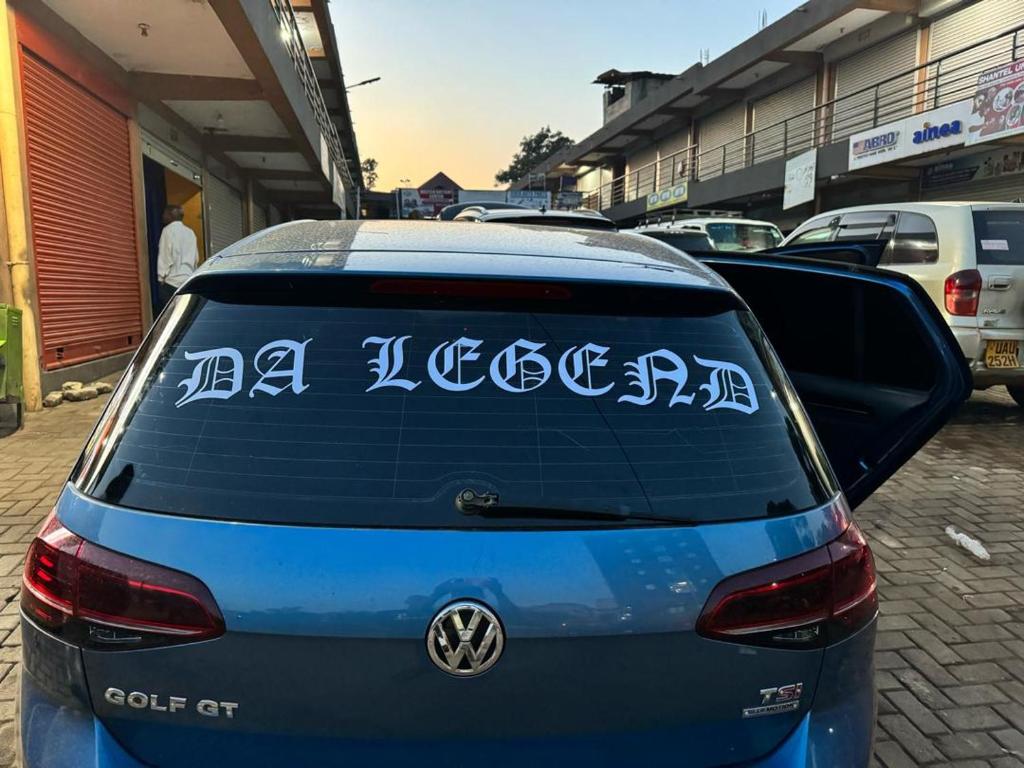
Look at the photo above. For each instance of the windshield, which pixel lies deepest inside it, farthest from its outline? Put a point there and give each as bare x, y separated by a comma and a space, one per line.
371, 415
685, 241
744, 237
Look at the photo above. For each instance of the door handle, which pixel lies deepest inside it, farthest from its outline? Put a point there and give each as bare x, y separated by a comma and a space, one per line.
1000, 282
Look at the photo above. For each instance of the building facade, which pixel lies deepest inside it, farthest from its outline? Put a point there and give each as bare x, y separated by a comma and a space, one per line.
837, 90
112, 109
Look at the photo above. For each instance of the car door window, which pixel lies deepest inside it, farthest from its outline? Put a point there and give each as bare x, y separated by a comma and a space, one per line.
816, 231
914, 242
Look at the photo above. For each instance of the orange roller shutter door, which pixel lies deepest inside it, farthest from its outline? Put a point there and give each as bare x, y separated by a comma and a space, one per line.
82, 217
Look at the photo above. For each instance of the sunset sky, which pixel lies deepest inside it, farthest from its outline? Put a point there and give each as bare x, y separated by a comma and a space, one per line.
462, 82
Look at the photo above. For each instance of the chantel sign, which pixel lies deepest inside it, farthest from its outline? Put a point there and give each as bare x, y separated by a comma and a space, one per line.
915, 135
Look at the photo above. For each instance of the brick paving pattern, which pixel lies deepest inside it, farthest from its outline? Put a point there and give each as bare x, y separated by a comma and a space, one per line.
950, 662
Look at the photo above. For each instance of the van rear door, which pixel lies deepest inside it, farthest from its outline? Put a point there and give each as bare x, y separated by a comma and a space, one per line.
999, 243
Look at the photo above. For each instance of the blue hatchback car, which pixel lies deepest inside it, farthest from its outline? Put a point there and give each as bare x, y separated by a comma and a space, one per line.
378, 493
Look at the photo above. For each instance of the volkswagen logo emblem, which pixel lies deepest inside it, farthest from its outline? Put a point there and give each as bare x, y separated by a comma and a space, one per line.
465, 639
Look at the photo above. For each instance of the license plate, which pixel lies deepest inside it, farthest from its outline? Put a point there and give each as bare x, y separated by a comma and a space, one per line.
1002, 354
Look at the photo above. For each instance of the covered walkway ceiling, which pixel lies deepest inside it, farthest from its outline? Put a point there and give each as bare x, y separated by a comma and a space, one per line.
201, 66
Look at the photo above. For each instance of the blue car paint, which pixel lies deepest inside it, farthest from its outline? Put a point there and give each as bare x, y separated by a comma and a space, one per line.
833, 734
320, 586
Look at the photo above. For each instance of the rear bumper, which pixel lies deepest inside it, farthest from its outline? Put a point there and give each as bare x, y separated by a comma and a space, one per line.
58, 729
972, 344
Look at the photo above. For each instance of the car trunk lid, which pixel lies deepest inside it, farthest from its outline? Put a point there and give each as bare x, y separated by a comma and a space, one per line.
325, 652
999, 243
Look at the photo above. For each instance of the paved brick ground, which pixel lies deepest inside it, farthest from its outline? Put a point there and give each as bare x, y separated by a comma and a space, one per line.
950, 663
951, 647
34, 463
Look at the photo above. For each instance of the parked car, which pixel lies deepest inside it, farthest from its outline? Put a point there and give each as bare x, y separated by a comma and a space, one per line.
682, 238
727, 233
377, 493
969, 257
579, 219
449, 212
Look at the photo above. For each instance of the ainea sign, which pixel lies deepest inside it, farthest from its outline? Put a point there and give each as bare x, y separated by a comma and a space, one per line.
930, 132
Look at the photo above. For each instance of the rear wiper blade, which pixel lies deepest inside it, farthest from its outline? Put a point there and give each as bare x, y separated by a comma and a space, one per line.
487, 504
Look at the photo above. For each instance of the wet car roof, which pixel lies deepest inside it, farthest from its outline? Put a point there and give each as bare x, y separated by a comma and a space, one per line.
446, 250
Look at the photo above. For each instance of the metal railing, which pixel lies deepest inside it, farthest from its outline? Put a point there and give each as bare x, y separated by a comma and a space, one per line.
292, 38
945, 80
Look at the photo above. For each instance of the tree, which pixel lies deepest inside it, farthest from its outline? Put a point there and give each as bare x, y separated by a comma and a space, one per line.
533, 150
369, 167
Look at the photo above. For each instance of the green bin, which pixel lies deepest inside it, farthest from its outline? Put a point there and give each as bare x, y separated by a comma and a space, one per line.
11, 386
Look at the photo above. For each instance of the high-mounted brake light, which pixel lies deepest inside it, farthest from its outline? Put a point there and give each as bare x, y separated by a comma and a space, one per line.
93, 596
491, 289
963, 290
819, 597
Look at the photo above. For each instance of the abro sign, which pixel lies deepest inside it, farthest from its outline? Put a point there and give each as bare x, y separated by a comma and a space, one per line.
926, 132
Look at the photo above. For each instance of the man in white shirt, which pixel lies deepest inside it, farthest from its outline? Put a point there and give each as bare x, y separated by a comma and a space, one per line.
177, 255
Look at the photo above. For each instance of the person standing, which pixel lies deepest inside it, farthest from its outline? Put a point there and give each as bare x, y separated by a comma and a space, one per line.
177, 255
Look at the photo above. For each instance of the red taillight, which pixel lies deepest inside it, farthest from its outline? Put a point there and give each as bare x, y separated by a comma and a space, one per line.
821, 596
96, 597
963, 289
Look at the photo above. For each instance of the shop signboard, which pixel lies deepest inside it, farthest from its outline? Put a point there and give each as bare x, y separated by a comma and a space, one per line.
915, 135
674, 195
567, 200
981, 167
800, 173
427, 202
997, 109
531, 198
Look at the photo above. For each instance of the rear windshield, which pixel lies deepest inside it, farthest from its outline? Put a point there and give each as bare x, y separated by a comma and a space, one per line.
349, 411
744, 237
576, 222
999, 236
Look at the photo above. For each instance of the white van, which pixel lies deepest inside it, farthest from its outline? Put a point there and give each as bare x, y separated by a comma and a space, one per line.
969, 257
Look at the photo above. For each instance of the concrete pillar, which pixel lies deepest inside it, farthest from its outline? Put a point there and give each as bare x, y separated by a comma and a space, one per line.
18, 254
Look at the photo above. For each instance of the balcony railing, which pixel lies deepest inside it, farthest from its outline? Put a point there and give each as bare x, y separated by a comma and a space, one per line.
307, 77
944, 80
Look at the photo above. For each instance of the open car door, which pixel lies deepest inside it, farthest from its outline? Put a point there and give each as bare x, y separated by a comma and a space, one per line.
873, 360
867, 253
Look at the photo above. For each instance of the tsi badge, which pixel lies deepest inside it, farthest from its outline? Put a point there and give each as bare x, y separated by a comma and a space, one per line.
785, 698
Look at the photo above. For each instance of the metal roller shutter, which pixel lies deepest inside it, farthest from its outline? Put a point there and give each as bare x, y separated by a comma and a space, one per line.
641, 168
724, 127
954, 79
674, 161
860, 109
224, 213
259, 218
83, 219
1004, 189
772, 137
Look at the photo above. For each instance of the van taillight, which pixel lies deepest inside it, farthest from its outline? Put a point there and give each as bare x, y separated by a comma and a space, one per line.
963, 289
819, 597
94, 597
